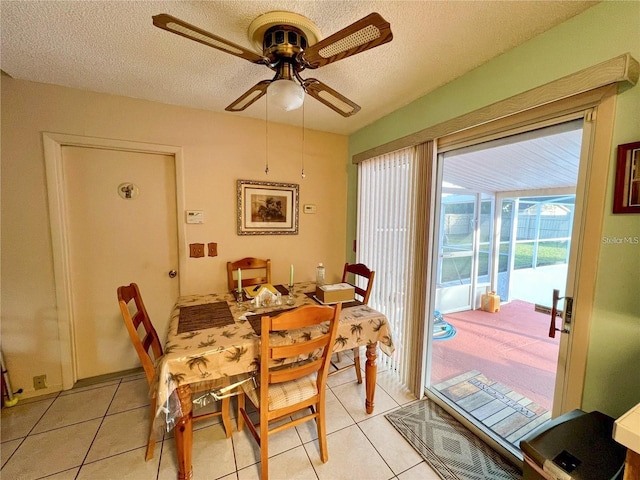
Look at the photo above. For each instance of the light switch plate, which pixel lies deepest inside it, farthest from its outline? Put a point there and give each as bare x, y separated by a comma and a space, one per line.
309, 208
196, 250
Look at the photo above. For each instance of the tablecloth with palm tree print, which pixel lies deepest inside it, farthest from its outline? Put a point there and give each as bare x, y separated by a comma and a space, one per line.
219, 356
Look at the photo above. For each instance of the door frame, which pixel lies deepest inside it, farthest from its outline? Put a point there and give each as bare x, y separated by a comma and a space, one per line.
474, 254
53, 143
597, 106
497, 221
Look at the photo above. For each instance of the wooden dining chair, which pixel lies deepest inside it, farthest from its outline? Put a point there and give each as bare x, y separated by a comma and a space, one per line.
363, 283
255, 271
149, 349
285, 389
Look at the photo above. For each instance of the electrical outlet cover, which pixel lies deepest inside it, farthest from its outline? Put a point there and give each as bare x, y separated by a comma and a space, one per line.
40, 382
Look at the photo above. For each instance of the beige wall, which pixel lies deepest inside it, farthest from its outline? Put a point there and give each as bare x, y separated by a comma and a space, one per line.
218, 149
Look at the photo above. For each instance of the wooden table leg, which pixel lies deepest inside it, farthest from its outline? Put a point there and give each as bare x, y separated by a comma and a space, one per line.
184, 434
371, 372
632, 465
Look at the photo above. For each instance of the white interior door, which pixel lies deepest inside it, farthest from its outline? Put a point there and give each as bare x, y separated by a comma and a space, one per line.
115, 241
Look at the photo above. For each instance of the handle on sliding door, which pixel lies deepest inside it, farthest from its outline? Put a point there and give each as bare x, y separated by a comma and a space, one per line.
555, 313
568, 301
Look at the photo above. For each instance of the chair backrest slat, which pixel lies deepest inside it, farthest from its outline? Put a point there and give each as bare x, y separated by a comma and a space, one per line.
299, 348
148, 348
255, 271
297, 371
282, 322
359, 270
312, 349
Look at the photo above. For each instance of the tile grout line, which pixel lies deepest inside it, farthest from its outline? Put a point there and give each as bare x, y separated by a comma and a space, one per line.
115, 392
30, 430
118, 384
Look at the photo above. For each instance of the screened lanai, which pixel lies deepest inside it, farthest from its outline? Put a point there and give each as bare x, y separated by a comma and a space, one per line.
507, 209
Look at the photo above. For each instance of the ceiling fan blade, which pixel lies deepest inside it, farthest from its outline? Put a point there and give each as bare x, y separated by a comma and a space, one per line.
249, 97
367, 33
177, 26
332, 99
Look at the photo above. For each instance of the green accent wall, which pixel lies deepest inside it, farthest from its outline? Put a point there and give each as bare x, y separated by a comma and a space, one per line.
605, 31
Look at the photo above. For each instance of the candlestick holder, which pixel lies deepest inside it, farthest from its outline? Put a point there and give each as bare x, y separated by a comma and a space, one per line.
240, 306
291, 298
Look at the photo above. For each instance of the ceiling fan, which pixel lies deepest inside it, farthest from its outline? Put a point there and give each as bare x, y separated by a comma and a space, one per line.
290, 44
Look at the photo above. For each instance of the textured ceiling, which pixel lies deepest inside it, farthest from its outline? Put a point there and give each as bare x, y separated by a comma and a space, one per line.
112, 47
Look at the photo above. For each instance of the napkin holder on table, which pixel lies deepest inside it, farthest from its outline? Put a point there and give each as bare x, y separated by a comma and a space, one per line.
265, 297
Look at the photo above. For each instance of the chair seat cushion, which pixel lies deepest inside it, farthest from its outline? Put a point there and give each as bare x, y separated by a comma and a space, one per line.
286, 393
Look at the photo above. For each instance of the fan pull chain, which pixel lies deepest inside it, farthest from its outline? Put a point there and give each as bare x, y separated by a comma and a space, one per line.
266, 136
303, 141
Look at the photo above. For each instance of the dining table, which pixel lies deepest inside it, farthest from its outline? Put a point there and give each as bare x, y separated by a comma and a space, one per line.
213, 344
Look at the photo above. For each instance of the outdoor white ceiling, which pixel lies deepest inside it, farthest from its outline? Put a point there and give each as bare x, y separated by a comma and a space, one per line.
537, 161
112, 47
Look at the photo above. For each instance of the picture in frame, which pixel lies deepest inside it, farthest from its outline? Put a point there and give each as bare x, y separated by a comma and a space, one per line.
626, 195
267, 208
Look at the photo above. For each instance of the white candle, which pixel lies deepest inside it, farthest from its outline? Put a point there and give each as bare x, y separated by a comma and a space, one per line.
239, 280
291, 275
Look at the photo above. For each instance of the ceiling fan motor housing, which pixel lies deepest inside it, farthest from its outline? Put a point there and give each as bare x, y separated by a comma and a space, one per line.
283, 41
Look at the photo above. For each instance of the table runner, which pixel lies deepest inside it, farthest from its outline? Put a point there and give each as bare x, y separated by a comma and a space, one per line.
282, 289
207, 315
256, 319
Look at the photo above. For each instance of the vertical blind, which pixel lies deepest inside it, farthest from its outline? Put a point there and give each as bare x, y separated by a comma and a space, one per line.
385, 243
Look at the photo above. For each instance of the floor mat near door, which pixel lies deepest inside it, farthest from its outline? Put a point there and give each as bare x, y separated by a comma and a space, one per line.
507, 413
451, 449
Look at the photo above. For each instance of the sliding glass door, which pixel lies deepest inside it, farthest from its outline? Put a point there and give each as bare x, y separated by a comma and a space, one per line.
506, 210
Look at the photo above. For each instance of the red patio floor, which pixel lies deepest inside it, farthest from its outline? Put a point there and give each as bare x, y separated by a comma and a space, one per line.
510, 346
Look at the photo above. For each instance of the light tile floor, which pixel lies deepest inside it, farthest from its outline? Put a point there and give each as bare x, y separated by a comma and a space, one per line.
99, 432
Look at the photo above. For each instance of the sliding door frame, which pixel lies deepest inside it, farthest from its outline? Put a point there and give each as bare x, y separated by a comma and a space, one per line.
597, 107
593, 87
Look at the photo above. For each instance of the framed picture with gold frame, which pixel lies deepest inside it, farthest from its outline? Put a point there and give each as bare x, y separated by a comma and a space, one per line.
267, 208
626, 195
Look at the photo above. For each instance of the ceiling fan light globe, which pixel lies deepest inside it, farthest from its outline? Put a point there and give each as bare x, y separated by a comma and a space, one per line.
285, 94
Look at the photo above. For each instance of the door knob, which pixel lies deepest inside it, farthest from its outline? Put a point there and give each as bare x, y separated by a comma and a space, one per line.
172, 274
